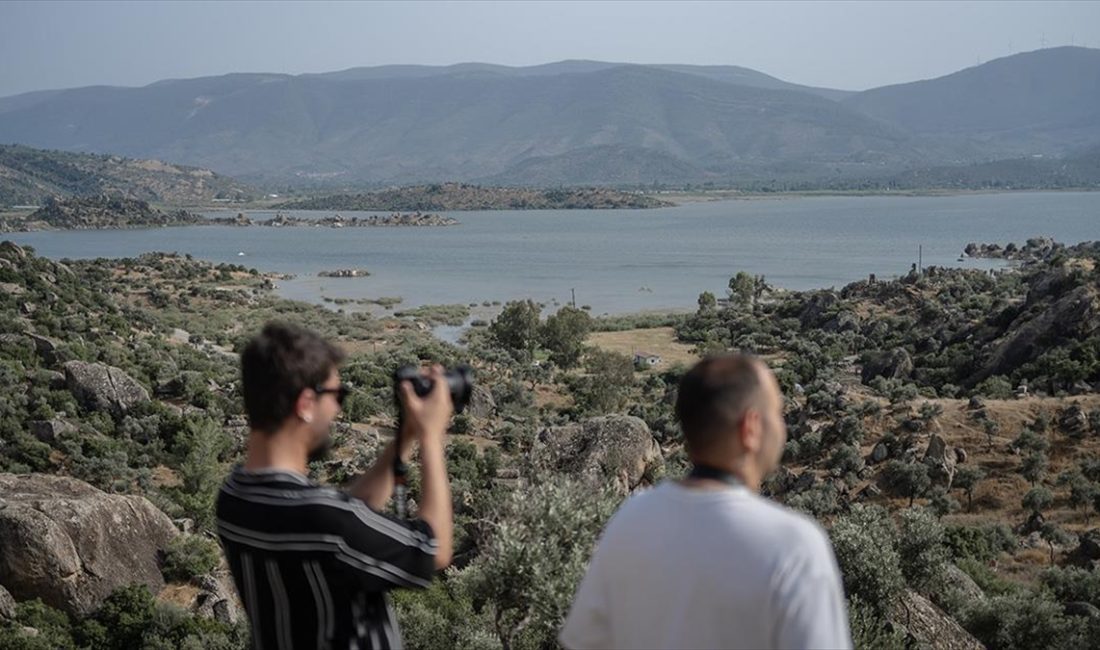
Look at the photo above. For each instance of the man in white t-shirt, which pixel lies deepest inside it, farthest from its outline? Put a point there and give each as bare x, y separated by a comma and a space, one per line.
706, 562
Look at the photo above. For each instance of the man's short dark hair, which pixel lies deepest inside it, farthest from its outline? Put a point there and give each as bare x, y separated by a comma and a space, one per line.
277, 365
714, 396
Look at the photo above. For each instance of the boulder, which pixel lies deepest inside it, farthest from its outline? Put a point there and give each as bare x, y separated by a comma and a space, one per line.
960, 455
818, 308
880, 453
1081, 609
482, 405
1073, 420
960, 581
100, 387
11, 251
1088, 547
976, 403
805, 481
7, 605
941, 461
613, 449
46, 348
49, 430
929, 626
71, 545
1074, 315
895, 364
217, 598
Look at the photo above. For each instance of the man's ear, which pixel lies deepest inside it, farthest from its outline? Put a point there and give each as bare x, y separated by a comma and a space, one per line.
305, 404
751, 431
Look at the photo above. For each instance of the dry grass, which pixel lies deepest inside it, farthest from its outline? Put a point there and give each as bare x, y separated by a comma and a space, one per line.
658, 340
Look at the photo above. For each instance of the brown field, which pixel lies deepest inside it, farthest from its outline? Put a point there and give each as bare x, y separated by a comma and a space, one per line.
658, 340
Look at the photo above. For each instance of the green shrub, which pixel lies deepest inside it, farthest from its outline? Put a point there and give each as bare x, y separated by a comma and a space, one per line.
189, 556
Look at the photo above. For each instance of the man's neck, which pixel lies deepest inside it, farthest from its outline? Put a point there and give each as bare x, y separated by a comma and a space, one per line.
278, 450
740, 470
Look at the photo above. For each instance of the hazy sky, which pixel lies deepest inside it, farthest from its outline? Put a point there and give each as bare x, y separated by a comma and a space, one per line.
850, 45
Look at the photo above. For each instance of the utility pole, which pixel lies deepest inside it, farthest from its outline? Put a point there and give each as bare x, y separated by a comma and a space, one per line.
920, 259
574, 292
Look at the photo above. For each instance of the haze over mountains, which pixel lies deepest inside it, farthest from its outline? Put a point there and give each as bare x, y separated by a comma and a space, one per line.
573, 122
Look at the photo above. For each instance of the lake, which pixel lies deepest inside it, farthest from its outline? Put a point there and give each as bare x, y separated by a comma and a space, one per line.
616, 261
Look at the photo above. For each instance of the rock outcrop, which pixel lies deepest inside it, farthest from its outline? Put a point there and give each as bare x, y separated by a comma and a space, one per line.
1074, 315
71, 545
101, 387
895, 364
941, 461
929, 626
614, 449
7, 605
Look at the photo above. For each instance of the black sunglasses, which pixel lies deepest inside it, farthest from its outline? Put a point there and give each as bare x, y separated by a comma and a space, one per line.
341, 392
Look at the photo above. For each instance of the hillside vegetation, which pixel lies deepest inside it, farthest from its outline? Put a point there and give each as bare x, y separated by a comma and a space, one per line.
944, 426
31, 176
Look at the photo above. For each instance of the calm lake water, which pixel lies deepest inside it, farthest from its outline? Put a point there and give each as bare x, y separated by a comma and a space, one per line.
617, 261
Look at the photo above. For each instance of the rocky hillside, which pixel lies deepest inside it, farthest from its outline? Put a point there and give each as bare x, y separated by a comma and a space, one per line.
31, 176
460, 196
98, 212
945, 428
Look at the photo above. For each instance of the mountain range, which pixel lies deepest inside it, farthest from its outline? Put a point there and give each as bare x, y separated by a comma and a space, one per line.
573, 122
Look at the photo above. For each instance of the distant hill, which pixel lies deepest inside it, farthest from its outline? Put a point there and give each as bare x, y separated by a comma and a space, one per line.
377, 126
573, 123
460, 196
1043, 102
31, 176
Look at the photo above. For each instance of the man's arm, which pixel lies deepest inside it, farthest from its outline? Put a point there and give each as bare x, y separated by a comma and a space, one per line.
375, 486
809, 601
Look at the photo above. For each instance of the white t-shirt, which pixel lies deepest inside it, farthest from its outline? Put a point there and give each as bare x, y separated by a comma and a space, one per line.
686, 568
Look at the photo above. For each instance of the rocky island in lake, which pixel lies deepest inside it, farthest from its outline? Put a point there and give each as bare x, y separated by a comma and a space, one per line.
106, 212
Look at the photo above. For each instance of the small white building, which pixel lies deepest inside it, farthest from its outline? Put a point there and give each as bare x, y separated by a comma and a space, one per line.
646, 360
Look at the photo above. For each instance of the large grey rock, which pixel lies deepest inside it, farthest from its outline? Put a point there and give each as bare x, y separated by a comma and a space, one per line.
929, 626
71, 545
482, 405
941, 461
1082, 609
46, 348
48, 431
880, 453
818, 308
895, 364
612, 450
1074, 315
217, 598
100, 387
958, 580
1073, 420
7, 605
1088, 548
11, 251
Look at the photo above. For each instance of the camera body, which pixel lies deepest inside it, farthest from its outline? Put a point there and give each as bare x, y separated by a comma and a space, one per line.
460, 383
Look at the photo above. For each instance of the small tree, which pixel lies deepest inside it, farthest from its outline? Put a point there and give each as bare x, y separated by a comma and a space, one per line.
921, 548
742, 289
1053, 535
537, 551
991, 428
1037, 499
907, 479
966, 479
707, 303
517, 327
865, 542
564, 333
1034, 467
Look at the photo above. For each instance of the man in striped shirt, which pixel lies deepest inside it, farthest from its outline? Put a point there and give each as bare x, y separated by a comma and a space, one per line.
313, 565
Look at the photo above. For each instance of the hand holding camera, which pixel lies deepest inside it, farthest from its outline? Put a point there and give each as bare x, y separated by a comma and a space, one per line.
425, 402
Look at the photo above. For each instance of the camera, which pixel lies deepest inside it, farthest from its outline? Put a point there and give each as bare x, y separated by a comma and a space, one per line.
460, 381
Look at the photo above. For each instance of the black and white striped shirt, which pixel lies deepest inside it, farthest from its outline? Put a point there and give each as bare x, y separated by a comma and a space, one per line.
313, 565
